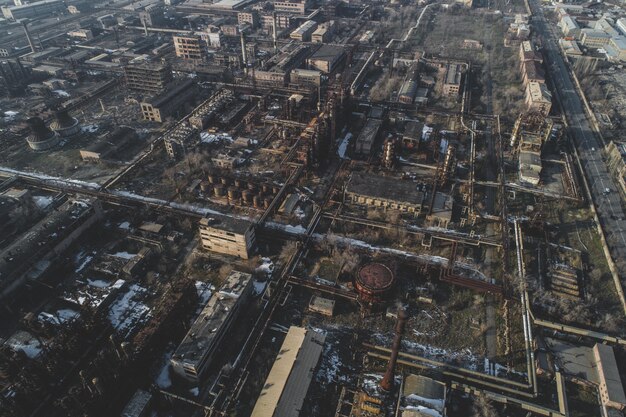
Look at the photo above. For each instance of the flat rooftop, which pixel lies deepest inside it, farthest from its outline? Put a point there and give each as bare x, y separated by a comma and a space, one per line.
328, 53
228, 224
386, 188
215, 314
286, 386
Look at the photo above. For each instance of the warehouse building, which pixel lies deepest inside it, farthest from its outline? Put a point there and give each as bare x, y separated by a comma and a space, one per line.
326, 59
43, 8
367, 137
452, 80
228, 236
384, 192
163, 105
304, 31
288, 382
148, 78
195, 353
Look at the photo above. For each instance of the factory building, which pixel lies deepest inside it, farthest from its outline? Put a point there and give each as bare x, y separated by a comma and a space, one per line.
43, 8
189, 47
109, 144
292, 6
452, 80
324, 32
421, 393
163, 105
326, 58
179, 138
248, 17
538, 98
530, 167
228, 236
367, 137
610, 384
148, 78
193, 356
384, 192
29, 256
288, 382
302, 77
304, 31
152, 15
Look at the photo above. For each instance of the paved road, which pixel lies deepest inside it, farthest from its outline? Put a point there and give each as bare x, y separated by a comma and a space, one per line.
608, 205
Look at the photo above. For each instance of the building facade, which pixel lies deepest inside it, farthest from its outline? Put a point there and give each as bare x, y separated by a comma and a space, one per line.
228, 236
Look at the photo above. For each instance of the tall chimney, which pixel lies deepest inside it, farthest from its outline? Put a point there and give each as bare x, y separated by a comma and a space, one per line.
244, 53
387, 383
274, 29
24, 23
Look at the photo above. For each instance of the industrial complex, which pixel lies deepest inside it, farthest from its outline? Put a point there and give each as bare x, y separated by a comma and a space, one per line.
312, 208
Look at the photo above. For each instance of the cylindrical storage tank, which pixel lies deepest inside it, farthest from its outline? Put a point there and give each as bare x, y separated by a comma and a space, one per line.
218, 190
233, 193
275, 189
205, 186
213, 179
251, 186
266, 188
239, 183
246, 196
374, 282
224, 180
257, 200
267, 202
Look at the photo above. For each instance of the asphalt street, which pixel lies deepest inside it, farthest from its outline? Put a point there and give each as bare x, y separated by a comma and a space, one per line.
602, 185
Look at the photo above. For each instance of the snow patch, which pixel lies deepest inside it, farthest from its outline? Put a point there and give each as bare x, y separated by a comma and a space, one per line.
42, 201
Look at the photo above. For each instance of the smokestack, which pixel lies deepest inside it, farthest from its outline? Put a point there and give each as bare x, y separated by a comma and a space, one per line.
388, 380
145, 27
274, 35
244, 53
39, 128
24, 23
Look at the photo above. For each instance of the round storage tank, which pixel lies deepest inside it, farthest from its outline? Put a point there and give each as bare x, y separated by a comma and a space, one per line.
374, 282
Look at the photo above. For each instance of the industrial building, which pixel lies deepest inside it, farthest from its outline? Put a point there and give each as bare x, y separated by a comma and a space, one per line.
189, 47
452, 80
287, 384
422, 396
169, 102
367, 137
326, 58
303, 77
148, 78
291, 6
43, 8
324, 32
195, 353
304, 31
384, 192
610, 383
530, 167
228, 236
29, 256
109, 145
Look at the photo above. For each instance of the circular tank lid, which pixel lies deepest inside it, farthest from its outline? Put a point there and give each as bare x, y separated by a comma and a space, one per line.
375, 277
